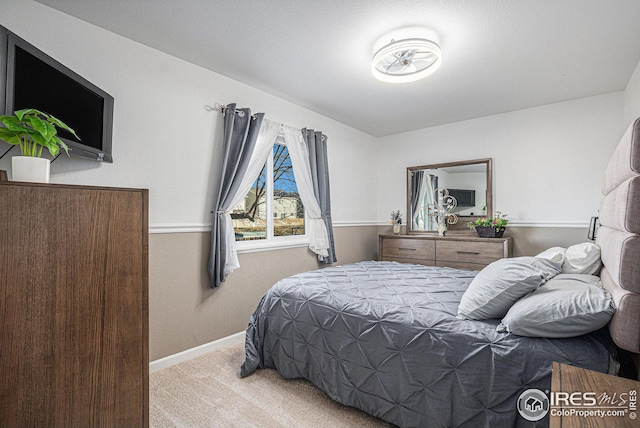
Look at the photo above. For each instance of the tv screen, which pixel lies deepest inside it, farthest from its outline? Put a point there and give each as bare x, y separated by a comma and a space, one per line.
465, 198
35, 80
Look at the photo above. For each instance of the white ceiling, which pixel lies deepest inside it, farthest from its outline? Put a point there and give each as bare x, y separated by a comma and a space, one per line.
498, 55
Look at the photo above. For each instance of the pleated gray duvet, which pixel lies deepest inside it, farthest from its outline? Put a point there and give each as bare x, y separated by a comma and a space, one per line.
383, 337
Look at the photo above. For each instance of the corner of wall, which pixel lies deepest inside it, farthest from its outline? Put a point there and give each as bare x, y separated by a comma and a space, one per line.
632, 97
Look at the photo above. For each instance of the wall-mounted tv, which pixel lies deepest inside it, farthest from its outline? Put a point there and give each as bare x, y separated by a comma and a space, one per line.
465, 197
29, 78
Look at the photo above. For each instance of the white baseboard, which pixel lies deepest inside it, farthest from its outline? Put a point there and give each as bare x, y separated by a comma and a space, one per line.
189, 354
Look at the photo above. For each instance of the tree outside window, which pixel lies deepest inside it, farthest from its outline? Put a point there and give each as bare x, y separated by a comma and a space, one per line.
272, 207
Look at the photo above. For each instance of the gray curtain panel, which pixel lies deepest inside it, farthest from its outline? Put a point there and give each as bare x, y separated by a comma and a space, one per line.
417, 178
240, 135
317, 144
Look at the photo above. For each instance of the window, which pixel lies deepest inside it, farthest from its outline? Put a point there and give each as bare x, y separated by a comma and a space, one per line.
272, 209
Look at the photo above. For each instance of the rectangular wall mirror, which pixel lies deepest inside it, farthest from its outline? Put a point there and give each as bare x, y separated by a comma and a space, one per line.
468, 181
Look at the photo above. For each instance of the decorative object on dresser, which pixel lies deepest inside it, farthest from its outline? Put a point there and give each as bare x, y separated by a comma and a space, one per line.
460, 251
396, 221
442, 210
490, 227
74, 314
468, 181
33, 130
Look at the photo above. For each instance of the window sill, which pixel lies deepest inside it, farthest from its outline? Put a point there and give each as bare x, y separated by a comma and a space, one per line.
273, 244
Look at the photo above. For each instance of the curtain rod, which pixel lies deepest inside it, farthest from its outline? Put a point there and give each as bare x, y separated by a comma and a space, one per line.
221, 108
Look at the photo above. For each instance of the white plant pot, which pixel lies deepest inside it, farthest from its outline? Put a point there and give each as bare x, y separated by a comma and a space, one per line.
28, 168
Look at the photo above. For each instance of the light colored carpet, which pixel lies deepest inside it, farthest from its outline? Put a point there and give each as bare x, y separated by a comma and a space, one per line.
208, 392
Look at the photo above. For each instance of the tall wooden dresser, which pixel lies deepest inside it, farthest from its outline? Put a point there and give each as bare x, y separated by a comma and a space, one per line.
73, 306
462, 251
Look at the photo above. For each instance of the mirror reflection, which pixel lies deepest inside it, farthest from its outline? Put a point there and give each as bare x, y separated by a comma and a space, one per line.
467, 181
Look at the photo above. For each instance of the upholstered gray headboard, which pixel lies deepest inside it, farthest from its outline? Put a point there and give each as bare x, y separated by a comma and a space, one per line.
619, 238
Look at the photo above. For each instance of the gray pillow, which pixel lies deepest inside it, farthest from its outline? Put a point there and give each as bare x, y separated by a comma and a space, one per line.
501, 284
566, 306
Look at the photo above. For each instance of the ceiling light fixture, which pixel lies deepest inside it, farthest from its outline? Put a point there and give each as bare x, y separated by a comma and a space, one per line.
406, 60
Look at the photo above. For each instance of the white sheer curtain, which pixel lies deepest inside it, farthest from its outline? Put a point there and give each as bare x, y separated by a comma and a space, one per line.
264, 144
423, 214
299, 153
431, 185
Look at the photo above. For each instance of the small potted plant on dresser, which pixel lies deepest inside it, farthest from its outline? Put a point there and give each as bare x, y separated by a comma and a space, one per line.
490, 227
33, 130
396, 221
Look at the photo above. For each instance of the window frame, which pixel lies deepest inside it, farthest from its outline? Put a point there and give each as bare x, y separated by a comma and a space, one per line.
272, 242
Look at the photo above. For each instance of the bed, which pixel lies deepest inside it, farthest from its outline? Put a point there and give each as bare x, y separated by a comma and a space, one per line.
387, 337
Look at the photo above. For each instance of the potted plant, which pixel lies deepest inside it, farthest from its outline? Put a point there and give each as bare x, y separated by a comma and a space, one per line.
490, 227
396, 221
33, 130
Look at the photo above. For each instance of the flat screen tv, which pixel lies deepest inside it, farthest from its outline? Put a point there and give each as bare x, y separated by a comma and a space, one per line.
32, 79
465, 198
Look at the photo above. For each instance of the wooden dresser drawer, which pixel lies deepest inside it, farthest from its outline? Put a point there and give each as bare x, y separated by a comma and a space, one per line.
408, 248
461, 252
480, 252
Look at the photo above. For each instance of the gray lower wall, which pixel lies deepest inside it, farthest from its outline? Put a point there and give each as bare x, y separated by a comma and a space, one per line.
185, 313
529, 241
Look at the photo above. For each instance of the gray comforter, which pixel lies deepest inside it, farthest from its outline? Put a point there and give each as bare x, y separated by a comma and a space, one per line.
383, 337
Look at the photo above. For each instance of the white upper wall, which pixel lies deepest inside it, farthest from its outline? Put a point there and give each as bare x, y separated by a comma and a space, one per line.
163, 138
547, 161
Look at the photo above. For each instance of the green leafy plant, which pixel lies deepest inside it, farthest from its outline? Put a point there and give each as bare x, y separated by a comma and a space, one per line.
498, 222
34, 130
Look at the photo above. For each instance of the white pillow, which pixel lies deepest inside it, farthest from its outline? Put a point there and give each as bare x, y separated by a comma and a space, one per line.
582, 258
566, 306
580, 278
555, 254
499, 285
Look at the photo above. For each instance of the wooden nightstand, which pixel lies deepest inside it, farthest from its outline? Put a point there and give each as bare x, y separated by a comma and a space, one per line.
576, 392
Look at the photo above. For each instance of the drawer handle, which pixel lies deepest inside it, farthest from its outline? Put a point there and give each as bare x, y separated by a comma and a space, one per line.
468, 252
406, 249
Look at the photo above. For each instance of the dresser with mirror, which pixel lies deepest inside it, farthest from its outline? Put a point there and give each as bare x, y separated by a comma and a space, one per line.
470, 182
